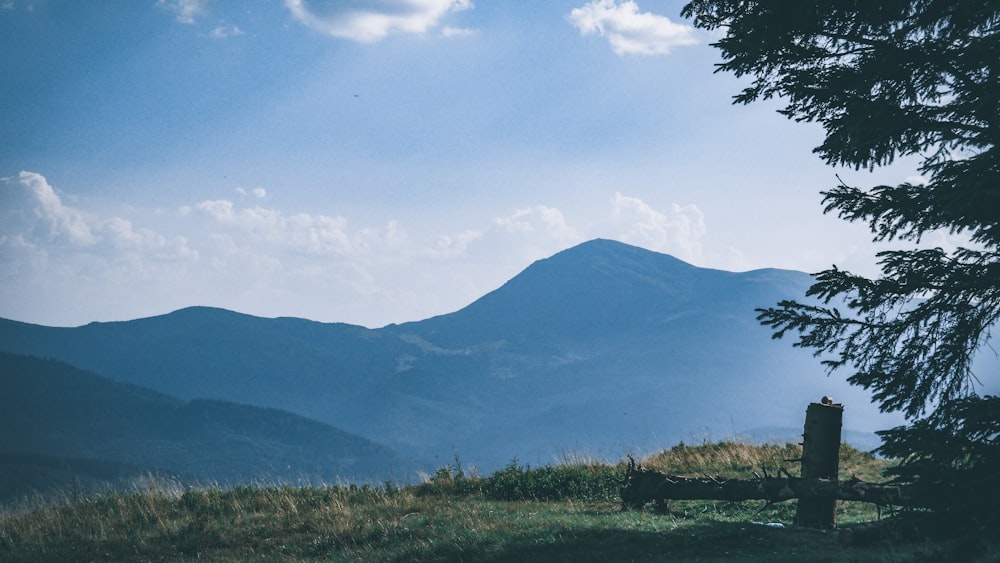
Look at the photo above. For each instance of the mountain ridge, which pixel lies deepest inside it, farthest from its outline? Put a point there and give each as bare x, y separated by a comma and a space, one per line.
604, 345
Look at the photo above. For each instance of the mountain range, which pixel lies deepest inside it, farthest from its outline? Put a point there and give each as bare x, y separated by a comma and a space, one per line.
599, 350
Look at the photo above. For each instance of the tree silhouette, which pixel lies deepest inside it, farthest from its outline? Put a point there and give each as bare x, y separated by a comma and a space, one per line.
889, 79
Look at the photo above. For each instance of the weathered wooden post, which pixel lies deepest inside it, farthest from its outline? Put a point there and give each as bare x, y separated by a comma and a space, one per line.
820, 460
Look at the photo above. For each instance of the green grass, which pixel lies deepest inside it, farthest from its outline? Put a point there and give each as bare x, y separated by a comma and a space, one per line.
552, 513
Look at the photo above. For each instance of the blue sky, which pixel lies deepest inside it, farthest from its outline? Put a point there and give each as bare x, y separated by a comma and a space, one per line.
381, 161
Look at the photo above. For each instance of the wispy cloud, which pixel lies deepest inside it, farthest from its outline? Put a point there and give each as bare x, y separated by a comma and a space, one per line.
630, 31
458, 31
184, 11
454, 244
539, 219
302, 233
10, 5
258, 192
678, 231
529, 234
225, 32
369, 22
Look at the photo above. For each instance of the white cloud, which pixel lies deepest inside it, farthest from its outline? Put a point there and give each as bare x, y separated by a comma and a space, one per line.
64, 265
526, 235
678, 231
629, 31
304, 233
539, 220
8, 5
456, 244
458, 32
224, 32
124, 235
68, 265
60, 221
369, 22
41, 220
184, 10
258, 192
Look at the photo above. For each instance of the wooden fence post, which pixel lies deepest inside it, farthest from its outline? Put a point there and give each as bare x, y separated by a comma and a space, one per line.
820, 460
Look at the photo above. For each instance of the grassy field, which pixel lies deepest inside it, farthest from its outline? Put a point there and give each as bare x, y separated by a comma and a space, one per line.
554, 513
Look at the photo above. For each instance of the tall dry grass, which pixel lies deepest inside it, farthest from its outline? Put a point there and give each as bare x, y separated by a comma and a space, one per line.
566, 512
734, 459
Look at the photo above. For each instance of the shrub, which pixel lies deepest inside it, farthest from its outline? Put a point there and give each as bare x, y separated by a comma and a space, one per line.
517, 482
562, 482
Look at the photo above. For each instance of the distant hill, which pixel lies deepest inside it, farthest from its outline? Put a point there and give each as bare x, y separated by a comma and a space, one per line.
599, 349
32, 477
58, 420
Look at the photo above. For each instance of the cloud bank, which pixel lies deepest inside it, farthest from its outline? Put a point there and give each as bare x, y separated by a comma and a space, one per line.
37, 218
370, 22
629, 31
64, 263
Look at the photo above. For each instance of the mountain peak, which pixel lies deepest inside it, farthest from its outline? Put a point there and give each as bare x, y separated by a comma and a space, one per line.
605, 252
610, 280
605, 267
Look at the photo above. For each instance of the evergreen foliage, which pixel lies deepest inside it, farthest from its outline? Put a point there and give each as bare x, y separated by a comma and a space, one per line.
952, 463
885, 80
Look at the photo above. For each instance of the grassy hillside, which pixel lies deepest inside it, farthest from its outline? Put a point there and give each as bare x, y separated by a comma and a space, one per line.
552, 513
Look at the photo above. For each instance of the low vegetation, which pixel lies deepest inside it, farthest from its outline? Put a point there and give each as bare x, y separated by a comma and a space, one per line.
553, 513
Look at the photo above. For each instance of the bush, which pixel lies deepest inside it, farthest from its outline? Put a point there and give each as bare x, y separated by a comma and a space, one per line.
517, 482
563, 482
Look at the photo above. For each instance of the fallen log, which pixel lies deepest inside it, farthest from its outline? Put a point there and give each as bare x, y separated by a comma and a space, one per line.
643, 486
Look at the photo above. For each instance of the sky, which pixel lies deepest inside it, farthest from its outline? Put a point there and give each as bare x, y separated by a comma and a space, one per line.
382, 161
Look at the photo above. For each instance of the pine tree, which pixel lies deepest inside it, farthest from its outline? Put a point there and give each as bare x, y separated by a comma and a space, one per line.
885, 80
